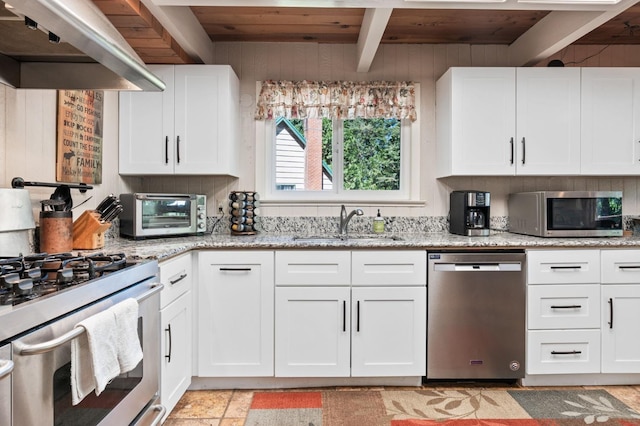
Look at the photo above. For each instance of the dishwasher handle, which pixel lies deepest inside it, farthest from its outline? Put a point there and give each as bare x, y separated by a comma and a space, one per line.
478, 267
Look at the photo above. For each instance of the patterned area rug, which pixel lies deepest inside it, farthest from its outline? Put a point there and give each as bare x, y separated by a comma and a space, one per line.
439, 407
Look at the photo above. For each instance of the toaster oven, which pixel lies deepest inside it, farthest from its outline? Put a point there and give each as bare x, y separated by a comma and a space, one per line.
148, 215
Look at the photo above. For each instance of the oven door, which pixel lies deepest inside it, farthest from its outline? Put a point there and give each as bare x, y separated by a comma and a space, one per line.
6, 367
41, 378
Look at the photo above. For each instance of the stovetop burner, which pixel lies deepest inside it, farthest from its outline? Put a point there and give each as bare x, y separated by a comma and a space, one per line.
29, 277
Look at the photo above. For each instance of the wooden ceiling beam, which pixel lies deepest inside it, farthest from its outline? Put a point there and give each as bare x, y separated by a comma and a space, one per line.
373, 26
558, 30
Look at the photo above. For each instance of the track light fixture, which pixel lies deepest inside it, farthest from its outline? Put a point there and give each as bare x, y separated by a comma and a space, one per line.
30, 23
53, 38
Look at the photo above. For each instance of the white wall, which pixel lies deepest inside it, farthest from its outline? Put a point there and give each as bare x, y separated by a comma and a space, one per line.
27, 123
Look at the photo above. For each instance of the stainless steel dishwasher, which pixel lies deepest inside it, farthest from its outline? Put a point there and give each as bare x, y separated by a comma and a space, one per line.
476, 315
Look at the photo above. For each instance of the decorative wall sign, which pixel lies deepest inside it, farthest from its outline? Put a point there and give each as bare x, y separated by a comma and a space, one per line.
79, 136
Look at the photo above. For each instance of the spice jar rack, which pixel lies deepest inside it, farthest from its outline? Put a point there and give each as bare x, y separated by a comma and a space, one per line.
243, 208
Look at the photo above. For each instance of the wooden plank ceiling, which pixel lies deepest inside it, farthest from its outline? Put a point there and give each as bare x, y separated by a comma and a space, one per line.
155, 45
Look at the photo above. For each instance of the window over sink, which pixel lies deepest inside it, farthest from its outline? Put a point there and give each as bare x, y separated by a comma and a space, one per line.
337, 159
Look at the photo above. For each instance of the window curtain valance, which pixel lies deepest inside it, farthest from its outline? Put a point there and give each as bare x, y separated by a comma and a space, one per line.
336, 99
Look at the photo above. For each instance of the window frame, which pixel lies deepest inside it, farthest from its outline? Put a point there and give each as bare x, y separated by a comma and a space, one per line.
409, 169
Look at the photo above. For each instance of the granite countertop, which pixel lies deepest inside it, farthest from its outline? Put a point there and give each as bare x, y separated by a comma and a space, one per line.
164, 248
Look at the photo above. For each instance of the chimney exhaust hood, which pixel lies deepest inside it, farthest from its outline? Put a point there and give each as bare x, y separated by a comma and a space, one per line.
103, 60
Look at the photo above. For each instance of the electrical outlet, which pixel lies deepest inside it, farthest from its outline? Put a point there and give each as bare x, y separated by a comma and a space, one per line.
221, 207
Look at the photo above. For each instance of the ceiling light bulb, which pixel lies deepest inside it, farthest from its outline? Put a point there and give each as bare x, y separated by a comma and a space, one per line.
53, 38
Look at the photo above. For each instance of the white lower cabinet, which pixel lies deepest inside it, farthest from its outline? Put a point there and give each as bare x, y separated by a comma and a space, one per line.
388, 333
176, 324
620, 311
313, 330
577, 325
235, 314
621, 328
346, 327
176, 354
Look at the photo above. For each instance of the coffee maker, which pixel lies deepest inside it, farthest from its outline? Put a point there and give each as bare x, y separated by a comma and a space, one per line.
469, 213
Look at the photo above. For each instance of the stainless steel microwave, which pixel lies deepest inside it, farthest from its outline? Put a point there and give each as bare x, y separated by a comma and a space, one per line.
566, 213
147, 215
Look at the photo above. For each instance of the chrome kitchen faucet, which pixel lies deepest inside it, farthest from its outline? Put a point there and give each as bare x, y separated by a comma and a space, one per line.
344, 219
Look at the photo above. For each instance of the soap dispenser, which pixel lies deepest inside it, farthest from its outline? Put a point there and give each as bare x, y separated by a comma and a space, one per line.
378, 224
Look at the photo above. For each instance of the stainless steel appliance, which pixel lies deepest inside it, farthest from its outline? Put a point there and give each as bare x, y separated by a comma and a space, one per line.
476, 315
42, 298
566, 213
469, 213
147, 215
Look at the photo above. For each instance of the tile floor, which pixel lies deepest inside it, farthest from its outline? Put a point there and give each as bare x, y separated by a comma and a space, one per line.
230, 407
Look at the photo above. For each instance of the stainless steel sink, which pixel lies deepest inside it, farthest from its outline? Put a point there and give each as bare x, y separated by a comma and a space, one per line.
335, 238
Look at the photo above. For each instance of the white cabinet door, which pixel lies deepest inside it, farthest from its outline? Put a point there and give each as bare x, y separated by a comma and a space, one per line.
207, 107
235, 313
621, 328
175, 372
312, 332
146, 128
389, 268
610, 121
548, 121
192, 128
389, 336
475, 113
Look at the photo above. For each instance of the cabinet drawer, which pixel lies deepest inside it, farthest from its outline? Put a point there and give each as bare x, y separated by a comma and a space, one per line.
563, 266
563, 306
406, 268
563, 351
620, 266
176, 275
313, 267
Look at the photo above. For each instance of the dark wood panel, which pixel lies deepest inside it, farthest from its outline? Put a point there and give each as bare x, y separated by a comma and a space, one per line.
623, 29
459, 26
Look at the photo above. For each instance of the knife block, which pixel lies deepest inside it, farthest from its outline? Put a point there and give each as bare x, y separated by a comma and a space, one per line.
88, 231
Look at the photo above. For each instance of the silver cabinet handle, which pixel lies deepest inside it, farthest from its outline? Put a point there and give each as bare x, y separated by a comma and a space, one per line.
166, 150
178, 149
180, 278
344, 315
168, 357
566, 352
566, 306
512, 150
565, 267
6, 367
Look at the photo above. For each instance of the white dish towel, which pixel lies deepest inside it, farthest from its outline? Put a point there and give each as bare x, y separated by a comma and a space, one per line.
94, 355
108, 347
129, 350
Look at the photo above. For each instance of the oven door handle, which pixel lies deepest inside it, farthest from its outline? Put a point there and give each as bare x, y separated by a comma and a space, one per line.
48, 346
6, 367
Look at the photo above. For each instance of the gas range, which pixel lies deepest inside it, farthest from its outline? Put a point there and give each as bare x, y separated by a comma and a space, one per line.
38, 288
26, 278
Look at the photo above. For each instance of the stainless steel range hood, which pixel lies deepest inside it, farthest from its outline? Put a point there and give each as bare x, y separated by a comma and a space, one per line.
104, 59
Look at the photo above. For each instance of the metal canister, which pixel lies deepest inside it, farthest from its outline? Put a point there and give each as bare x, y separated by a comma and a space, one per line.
56, 231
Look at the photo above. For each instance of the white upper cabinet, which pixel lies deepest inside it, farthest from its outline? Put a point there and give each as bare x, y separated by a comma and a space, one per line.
548, 121
610, 120
476, 121
192, 128
508, 121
